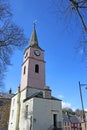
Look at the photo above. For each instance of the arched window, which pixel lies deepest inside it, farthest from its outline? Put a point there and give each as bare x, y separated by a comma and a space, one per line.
37, 68
24, 70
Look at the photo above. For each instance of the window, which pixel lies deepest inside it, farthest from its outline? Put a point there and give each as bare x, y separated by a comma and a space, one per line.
37, 68
13, 101
76, 124
12, 113
68, 123
26, 112
68, 128
1, 103
72, 125
65, 123
0, 115
24, 70
30, 122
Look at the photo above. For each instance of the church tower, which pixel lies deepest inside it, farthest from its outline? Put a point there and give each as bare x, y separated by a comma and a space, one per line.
33, 107
33, 67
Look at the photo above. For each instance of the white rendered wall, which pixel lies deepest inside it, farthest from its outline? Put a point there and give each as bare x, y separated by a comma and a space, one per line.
13, 113
42, 111
22, 121
25, 123
13, 124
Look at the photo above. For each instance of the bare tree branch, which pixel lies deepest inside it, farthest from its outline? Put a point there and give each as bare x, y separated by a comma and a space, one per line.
5, 12
73, 11
76, 5
11, 37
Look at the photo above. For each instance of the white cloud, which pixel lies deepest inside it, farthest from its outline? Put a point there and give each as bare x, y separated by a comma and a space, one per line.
66, 105
86, 109
60, 96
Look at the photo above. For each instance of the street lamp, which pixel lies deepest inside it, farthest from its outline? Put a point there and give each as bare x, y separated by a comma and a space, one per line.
80, 85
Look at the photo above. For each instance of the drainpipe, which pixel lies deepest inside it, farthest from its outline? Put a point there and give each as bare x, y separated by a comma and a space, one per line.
18, 109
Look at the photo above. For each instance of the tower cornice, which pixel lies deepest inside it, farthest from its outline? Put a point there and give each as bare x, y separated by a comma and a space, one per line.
35, 47
34, 59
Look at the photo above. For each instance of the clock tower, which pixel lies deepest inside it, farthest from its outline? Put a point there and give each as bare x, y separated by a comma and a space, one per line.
33, 67
33, 107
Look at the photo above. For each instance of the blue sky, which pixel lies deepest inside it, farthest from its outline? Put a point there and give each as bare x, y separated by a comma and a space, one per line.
64, 67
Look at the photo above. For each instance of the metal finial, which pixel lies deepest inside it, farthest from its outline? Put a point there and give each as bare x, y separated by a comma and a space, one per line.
34, 22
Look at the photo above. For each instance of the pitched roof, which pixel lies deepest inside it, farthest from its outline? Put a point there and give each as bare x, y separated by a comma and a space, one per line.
6, 95
71, 118
66, 118
75, 119
34, 40
40, 95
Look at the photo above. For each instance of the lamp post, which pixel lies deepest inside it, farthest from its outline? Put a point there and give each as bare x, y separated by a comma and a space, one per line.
83, 112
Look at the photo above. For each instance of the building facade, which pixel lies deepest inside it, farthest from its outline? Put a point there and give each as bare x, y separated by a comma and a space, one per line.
72, 122
76, 123
5, 102
33, 107
66, 122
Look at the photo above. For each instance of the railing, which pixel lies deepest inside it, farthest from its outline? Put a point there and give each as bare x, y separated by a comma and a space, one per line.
57, 127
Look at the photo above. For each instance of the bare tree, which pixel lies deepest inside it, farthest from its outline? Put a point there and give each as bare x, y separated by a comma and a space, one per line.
11, 37
80, 7
68, 8
73, 11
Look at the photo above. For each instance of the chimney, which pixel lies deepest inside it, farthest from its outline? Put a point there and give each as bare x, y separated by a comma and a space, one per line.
47, 92
10, 91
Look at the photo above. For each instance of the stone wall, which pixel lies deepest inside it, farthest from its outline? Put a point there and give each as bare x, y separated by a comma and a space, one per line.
4, 113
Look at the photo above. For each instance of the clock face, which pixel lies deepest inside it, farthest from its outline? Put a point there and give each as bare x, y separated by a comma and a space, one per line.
37, 53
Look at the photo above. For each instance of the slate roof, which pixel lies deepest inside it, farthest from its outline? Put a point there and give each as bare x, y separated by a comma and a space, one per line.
6, 96
71, 118
66, 118
34, 40
75, 119
40, 95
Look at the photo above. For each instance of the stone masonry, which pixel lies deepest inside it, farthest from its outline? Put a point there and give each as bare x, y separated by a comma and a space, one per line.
5, 102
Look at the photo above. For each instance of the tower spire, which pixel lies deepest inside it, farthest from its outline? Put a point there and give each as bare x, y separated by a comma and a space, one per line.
34, 22
33, 39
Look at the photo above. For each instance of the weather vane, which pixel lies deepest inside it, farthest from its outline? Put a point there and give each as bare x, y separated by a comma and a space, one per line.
34, 22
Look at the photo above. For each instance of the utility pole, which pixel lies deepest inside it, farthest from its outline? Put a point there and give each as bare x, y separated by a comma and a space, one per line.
83, 112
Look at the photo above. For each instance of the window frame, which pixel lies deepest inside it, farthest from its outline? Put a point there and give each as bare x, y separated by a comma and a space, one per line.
1, 103
24, 71
26, 112
12, 113
0, 116
36, 68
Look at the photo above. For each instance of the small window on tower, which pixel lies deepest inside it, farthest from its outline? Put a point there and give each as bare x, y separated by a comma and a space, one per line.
37, 68
26, 112
24, 70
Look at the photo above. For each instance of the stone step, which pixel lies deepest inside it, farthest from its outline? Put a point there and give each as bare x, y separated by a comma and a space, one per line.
56, 129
